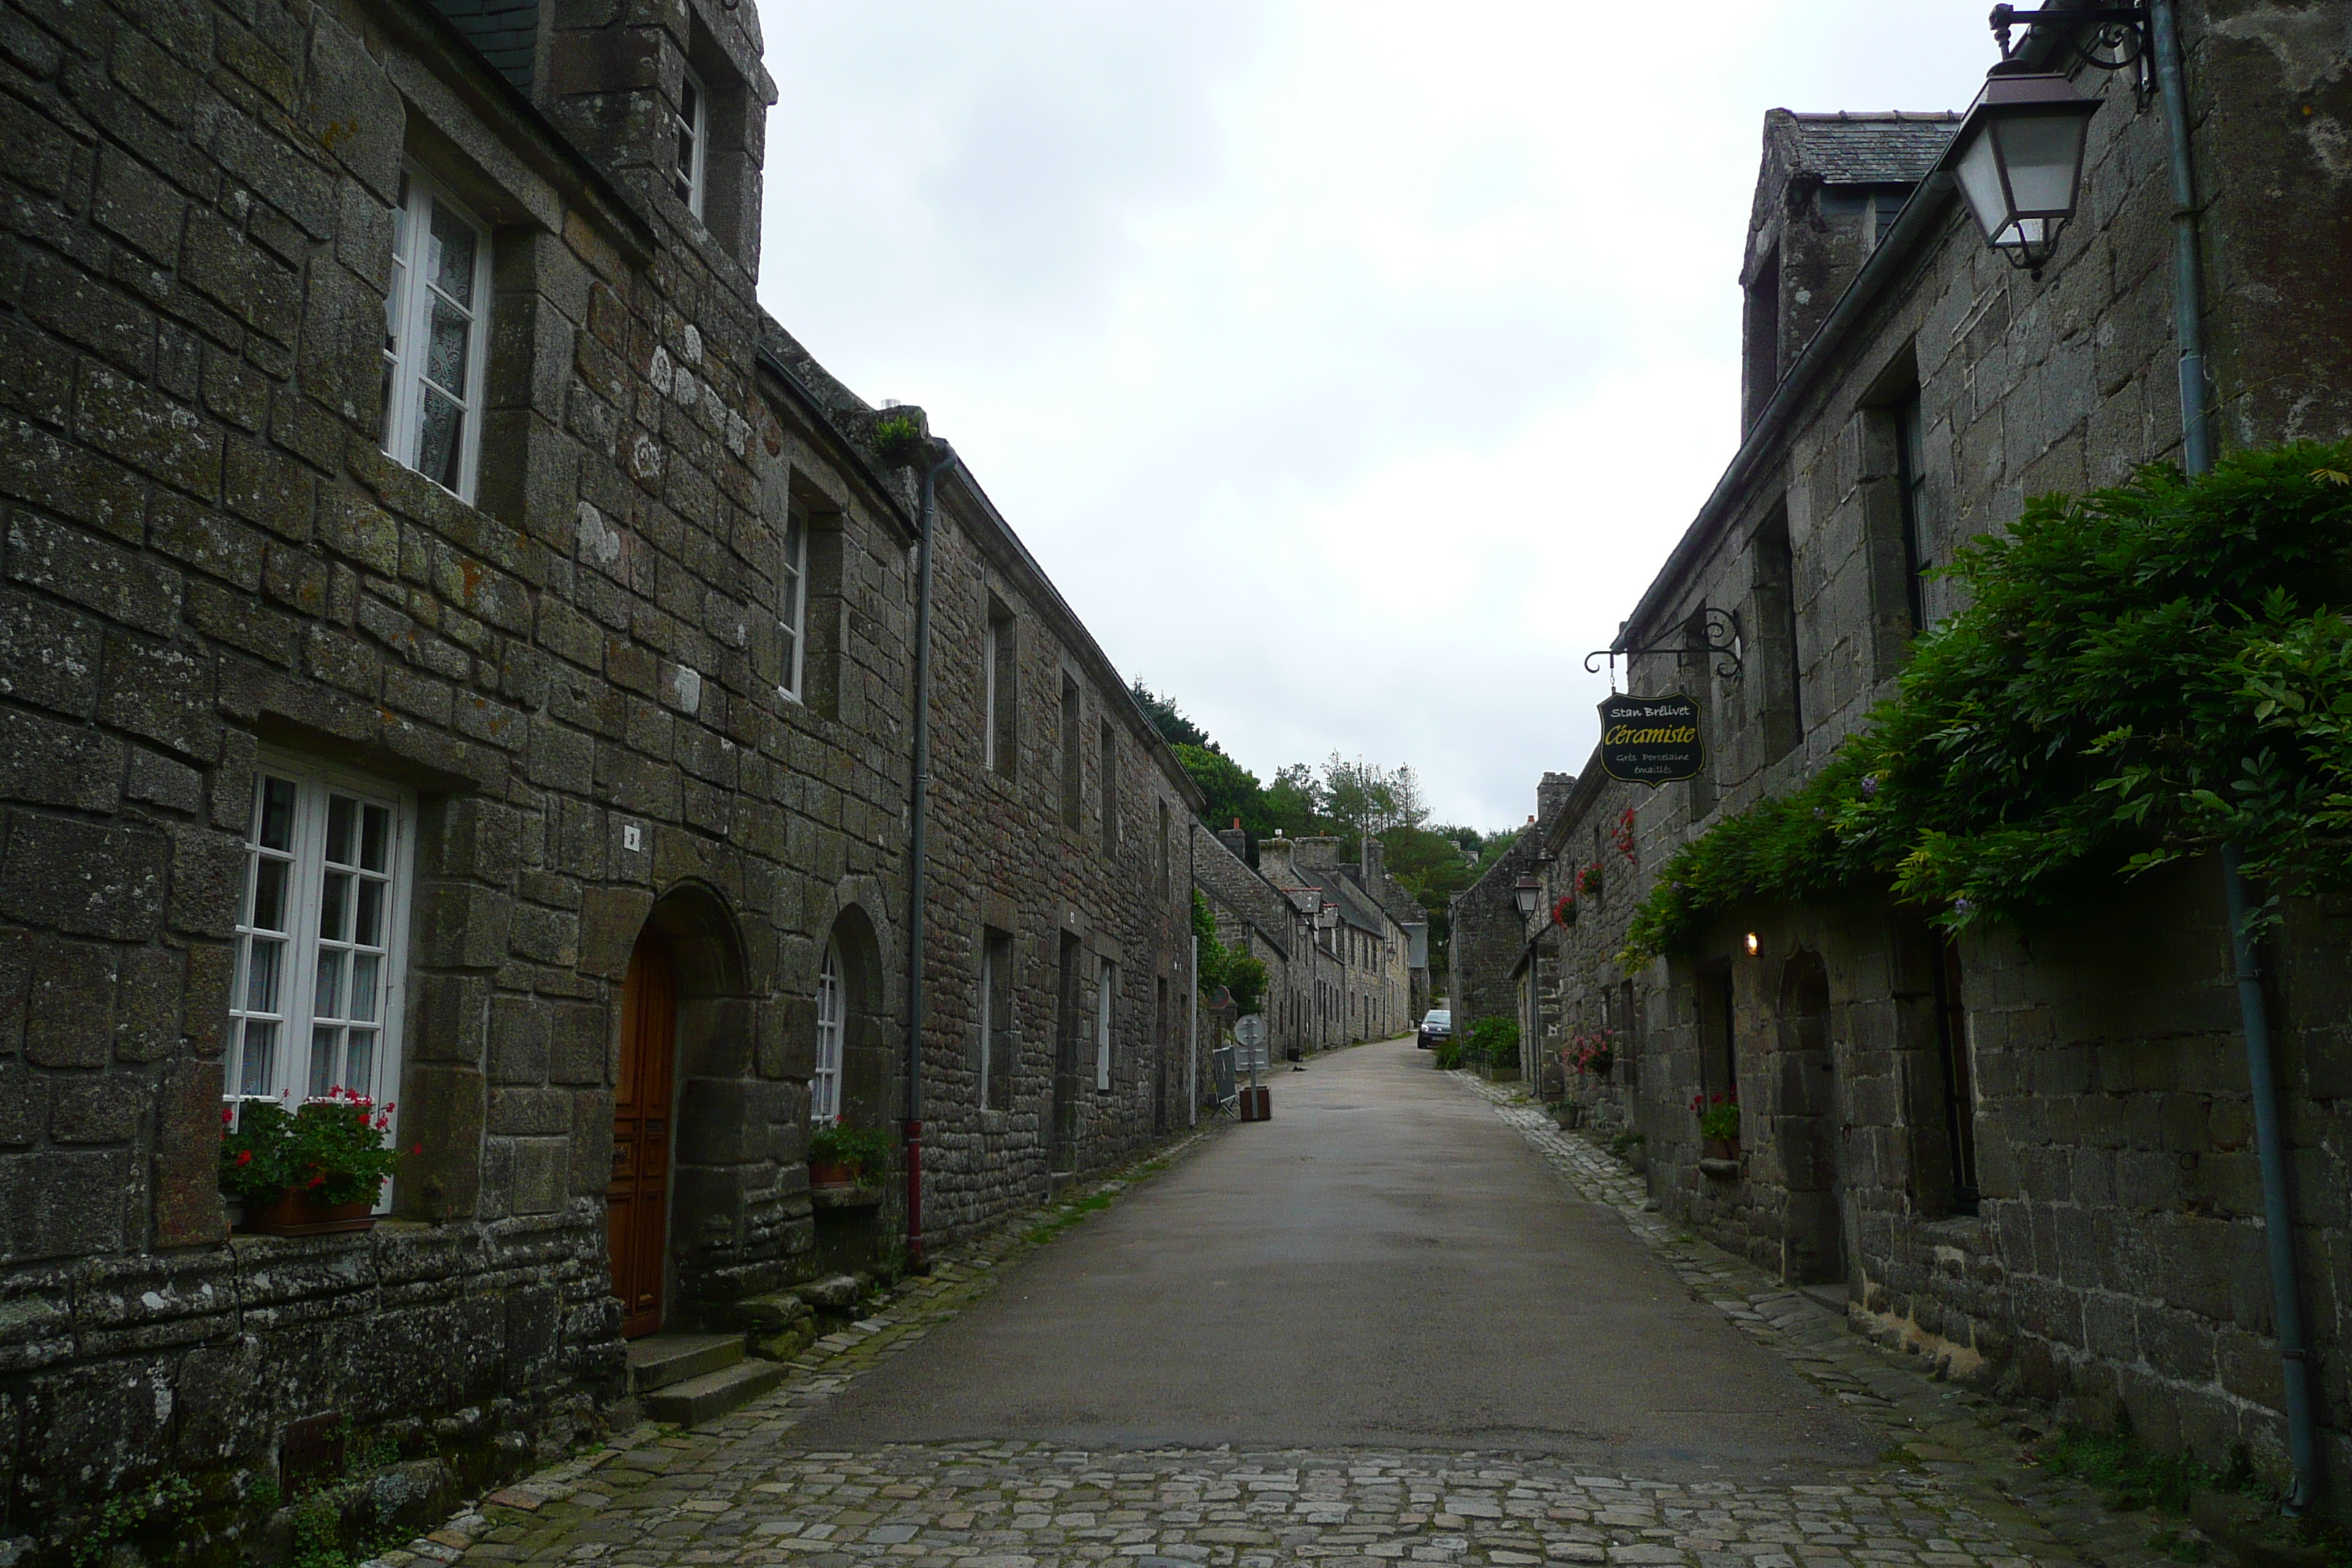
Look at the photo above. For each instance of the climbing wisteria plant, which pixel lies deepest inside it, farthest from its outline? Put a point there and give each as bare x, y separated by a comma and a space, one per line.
2140, 673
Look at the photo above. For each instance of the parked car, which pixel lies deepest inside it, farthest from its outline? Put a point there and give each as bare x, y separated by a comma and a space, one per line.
1436, 1025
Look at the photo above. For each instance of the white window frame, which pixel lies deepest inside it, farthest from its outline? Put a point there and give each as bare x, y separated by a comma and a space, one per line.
288, 1079
1105, 991
690, 119
792, 599
406, 311
824, 1076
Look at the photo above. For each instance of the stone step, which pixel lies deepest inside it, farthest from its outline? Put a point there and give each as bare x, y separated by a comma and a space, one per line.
658, 1360
713, 1394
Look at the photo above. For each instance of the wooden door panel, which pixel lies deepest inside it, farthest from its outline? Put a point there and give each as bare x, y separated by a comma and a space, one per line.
637, 1199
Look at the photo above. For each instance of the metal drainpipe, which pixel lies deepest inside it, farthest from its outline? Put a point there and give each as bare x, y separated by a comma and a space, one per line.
917, 844
2253, 1010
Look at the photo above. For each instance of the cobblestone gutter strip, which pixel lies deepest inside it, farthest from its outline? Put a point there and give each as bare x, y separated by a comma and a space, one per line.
959, 1277
1971, 1442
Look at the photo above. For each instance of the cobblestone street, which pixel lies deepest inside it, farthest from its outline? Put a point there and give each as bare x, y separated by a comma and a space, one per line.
1947, 1490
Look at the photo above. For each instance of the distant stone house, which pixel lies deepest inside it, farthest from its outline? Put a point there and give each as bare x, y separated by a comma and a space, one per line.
454, 646
1497, 967
1278, 929
1370, 995
2023, 1154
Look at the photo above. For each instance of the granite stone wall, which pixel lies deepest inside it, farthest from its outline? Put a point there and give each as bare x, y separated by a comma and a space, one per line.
2028, 1158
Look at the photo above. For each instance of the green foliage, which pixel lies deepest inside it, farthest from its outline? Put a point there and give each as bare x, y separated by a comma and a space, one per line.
865, 1150
2141, 674
897, 439
1449, 1054
1718, 1115
332, 1146
2128, 1472
1168, 720
1243, 977
125, 1514
1493, 1041
1231, 791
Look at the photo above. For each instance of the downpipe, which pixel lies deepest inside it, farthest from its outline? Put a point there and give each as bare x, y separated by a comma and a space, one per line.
918, 844
2278, 1220
2253, 1009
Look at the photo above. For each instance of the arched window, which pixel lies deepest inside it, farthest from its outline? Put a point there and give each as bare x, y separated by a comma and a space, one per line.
825, 1082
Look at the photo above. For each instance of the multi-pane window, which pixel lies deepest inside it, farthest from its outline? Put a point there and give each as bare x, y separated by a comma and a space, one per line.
317, 998
1000, 689
690, 123
434, 319
1911, 473
824, 1080
792, 600
1105, 994
997, 1045
1108, 764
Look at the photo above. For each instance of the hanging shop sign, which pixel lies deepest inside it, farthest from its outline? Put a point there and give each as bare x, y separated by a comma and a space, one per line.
1649, 739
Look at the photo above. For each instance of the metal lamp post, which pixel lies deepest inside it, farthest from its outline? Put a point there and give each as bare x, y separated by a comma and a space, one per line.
2018, 157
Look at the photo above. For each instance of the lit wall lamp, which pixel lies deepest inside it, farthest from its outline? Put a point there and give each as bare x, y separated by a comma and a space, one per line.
1752, 944
1528, 892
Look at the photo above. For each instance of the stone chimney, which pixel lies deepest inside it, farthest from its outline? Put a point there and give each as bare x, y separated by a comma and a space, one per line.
1235, 839
1375, 861
1552, 793
1273, 858
1316, 851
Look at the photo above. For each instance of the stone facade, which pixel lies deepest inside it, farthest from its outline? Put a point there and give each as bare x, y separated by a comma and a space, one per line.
2028, 1156
1368, 997
645, 686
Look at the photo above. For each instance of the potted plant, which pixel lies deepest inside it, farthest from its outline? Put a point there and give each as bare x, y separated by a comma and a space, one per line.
1564, 912
309, 1171
1588, 880
1718, 1124
1592, 1055
842, 1156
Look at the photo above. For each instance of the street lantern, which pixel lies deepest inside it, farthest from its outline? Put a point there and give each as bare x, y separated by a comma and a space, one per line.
2019, 158
1528, 892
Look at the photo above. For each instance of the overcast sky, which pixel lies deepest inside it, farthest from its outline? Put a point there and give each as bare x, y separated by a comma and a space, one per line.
1350, 367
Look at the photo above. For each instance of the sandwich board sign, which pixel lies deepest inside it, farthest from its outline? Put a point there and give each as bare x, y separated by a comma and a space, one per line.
1649, 739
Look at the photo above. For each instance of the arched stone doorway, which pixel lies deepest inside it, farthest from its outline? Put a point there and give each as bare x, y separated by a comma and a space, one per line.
685, 1057
1805, 1126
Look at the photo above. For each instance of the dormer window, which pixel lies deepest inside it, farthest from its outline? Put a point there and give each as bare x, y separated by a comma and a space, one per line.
691, 122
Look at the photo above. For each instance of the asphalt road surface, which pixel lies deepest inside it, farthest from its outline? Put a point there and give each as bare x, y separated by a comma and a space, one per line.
1383, 1265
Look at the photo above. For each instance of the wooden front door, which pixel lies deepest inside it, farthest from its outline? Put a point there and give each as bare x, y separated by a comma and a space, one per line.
638, 1203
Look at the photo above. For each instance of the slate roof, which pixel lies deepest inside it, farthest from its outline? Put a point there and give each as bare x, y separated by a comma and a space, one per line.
1898, 147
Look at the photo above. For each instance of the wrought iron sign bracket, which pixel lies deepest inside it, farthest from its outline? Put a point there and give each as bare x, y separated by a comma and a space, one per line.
2117, 40
1719, 634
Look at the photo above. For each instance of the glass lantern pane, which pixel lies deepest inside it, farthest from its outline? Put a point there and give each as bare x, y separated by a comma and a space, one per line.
2042, 153
1980, 183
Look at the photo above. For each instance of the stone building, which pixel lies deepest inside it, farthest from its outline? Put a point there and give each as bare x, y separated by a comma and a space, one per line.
1370, 996
1280, 929
1497, 968
453, 646
2023, 1154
